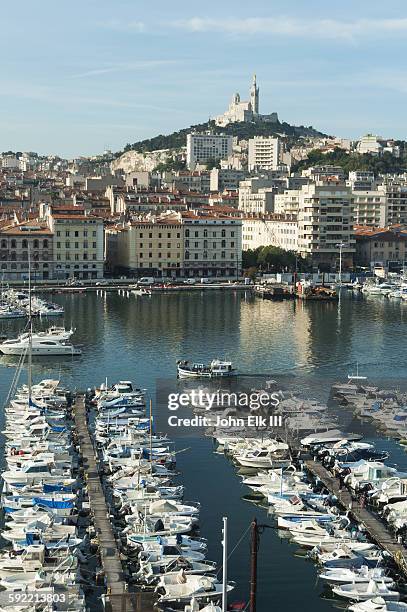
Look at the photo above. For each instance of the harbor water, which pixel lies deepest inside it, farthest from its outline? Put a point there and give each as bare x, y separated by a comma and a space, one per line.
305, 347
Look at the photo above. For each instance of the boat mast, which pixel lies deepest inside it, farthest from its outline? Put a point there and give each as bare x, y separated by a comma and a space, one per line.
151, 436
30, 329
225, 566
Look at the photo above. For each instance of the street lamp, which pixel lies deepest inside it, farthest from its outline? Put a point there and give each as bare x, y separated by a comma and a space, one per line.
341, 245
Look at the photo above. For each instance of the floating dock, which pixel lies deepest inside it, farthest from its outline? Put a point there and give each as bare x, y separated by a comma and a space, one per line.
377, 530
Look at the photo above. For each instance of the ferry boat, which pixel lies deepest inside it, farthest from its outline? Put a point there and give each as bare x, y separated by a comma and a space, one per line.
215, 369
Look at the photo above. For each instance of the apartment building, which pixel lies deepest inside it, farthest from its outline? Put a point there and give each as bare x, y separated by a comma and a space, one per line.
270, 230
394, 190
369, 208
150, 246
202, 148
174, 245
386, 247
325, 222
263, 153
20, 242
256, 195
361, 180
288, 202
78, 242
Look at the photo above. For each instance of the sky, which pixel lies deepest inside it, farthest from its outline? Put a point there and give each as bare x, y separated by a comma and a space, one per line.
78, 77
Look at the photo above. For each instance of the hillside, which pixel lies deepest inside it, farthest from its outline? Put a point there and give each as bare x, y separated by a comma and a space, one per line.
387, 163
244, 131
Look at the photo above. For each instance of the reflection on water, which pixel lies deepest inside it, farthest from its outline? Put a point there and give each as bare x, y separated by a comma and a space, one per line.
306, 346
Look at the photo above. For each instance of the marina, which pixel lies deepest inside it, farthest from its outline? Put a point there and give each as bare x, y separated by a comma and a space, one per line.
199, 447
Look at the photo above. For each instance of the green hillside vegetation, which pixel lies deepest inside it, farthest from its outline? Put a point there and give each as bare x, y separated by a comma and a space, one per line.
244, 131
385, 164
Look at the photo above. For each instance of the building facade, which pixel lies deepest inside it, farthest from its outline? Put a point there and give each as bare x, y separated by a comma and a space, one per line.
384, 247
270, 230
325, 222
178, 245
78, 243
264, 153
32, 240
202, 148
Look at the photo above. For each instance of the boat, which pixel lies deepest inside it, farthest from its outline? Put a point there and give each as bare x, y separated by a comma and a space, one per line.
364, 591
378, 604
215, 369
356, 576
40, 347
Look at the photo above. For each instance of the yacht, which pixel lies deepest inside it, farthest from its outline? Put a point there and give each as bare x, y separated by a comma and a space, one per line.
216, 368
39, 347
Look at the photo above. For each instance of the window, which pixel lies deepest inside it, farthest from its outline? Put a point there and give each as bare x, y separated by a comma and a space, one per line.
141, 234
196, 255
67, 245
25, 244
205, 244
223, 244
232, 234
58, 256
205, 233
141, 255
159, 255
168, 255
150, 255
187, 233
94, 233
85, 244
223, 254
85, 256
169, 235
187, 243
196, 244
168, 245
76, 234
232, 244
4, 244
159, 245
76, 245
76, 257
67, 233
178, 235
45, 244
150, 235
94, 245
214, 234
94, 256
159, 234
214, 245
58, 245
58, 233
14, 244
186, 254
223, 233
150, 245
13, 256
196, 234
85, 233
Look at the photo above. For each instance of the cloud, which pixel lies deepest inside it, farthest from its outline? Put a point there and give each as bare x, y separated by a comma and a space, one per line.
289, 26
123, 67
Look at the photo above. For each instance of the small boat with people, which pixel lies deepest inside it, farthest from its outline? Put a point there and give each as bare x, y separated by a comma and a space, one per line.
215, 369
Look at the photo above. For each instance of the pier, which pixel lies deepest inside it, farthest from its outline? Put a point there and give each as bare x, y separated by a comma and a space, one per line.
377, 531
118, 599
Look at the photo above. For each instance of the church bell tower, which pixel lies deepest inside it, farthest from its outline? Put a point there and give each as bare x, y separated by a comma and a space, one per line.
254, 96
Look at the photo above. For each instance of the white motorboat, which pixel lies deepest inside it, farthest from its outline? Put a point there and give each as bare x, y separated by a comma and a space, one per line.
40, 347
215, 369
366, 590
378, 604
358, 575
181, 588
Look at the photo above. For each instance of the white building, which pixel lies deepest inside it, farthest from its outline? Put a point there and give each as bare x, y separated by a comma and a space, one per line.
369, 208
361, 180
9, 161
325, 222
202, 148
270, 230
263, 153
370, 144
256, 195
288, 202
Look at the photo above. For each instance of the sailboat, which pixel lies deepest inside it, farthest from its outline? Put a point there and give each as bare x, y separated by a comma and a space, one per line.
352, 377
